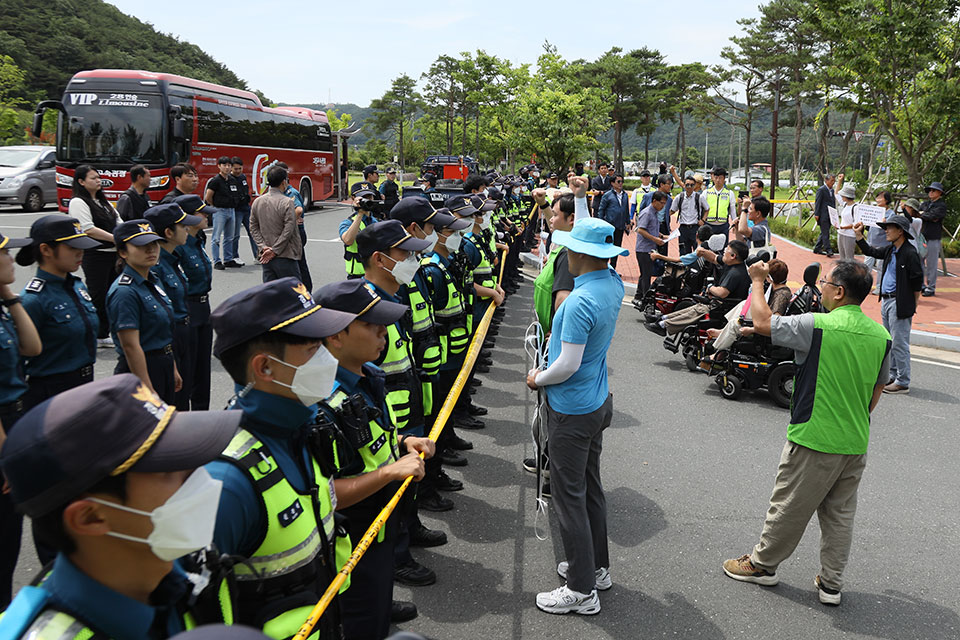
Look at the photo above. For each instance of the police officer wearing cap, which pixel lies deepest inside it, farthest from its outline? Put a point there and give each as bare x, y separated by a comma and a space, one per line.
366, 207
18, 337
141, 313
372, 449
390, 191
60, 307
198, 271
170, 222
112, 478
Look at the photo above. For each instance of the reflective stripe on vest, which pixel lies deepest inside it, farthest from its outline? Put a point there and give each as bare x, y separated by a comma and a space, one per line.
719, 201
56, 625
292, 538
351, 255
383, 448
425, 340
451, 319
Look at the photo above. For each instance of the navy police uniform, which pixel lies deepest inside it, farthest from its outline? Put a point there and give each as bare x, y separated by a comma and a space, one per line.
135, 302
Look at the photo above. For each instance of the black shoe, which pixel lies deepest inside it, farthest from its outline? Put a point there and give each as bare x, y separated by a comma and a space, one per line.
424, 537
485, 353
459, 444
472, 390
435, 503
218, 266
829, 254
487, 360
488, 344
818, 252
482, 368
656, 328
446, 483
928, 293
530, 466
476, 382
402, 612
451, 458
414, 574
232, 264
468, 422
475, 410
546, 490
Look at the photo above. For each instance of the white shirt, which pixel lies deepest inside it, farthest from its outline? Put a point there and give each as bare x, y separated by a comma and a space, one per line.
81, 211
688, 215
846, 218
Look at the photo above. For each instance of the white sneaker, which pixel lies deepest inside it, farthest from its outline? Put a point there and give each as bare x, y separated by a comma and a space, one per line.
563, 600
604, 581
239, 262
105, 343
827, 596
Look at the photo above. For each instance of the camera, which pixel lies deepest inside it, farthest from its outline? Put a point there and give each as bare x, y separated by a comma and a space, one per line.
373, 206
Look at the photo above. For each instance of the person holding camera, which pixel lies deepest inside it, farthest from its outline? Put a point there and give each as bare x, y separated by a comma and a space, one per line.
273, 225
365, 204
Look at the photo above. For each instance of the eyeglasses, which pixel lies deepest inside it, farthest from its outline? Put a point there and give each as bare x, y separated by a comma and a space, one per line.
824, 281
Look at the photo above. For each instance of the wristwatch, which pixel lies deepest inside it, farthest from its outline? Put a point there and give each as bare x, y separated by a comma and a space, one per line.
9, 302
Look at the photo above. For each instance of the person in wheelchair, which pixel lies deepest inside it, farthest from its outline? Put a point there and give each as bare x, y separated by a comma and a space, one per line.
682, 277
733, 287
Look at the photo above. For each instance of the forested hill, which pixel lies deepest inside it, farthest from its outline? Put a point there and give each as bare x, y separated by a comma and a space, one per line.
53, 39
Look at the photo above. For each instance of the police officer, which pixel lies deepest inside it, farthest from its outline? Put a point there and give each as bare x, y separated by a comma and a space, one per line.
366, 206
60, 307
141, 314
390, 191
198, 270
109, 475
722, 203
18, 337
360, 405
277, 507
170, 222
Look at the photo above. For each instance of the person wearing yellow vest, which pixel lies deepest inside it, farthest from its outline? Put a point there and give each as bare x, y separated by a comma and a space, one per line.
843, 363
113, 480
366, 207
722, 203
371, 447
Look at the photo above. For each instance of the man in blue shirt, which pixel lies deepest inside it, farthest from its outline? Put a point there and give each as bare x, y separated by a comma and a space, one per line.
664, 185
112, 478
578, 408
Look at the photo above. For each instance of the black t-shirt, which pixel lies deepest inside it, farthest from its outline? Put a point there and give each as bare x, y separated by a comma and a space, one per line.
172, 195
132, 205
243, 191
562, 278
736, 281
226, 191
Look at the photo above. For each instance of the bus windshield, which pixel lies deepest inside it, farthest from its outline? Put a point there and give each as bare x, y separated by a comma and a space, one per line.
112, 128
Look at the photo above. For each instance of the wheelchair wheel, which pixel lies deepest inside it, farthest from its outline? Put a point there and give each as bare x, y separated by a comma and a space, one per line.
693, 364
780, 384
730, 386
650, 312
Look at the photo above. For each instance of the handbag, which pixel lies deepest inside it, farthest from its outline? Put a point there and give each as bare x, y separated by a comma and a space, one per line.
767, 246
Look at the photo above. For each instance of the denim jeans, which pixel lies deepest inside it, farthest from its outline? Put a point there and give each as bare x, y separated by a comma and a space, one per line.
242, 219
931, 262
223, 224
899, 329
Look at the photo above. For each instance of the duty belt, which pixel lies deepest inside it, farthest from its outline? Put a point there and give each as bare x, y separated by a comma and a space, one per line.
82, 372
12, 407
201, 299
162, 351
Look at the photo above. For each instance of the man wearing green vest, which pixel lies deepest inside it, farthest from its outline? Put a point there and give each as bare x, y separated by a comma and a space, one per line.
722, 203
843, 363
366, 205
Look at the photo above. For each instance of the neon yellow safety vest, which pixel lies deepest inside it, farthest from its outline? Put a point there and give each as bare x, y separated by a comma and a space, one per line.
351, 254
404, 391
483, 272
719, 203
383, 446
452, 318
461, 271
426, 347
291, 551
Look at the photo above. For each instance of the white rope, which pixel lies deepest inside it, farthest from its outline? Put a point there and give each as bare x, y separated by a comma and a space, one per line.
534, 345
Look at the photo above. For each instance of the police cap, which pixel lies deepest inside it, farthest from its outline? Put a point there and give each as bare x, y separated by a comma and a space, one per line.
135, 232
66, 445
364, 188
645, 173
443, 220
461, 205
483, 204
13, 243
409, 210
164, 216
193, 204
355, 297
283, 305
386, 235
370, 168
51, 229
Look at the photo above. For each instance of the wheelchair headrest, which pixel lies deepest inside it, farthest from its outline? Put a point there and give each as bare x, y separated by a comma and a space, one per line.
811, 274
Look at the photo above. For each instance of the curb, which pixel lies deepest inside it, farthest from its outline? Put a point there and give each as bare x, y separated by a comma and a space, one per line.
934, 340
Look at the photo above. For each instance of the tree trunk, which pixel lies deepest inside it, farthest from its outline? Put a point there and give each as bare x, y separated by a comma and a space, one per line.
845, 146
476, 149
400, 154
798, 128
646, 150
463, 143
872, 153
746, 147
730, 160
618, 146
683, 146
676, 149
822, 166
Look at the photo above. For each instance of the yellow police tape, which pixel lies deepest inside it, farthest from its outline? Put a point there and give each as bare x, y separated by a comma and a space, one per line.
374, 529
792, 201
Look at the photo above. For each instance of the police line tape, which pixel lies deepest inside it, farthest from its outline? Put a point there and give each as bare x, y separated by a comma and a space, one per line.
374, 529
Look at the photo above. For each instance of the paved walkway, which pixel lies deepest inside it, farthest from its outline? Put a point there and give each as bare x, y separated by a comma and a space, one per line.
939, 314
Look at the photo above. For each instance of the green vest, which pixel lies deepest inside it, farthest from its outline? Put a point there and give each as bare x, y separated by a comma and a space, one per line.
383, 446
461, 272
719, 203
483, 272
451, 319
351, 254
291, 543
830, 411
543, 291
404, 390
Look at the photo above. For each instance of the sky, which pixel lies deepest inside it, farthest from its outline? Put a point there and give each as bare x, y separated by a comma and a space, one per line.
320, 52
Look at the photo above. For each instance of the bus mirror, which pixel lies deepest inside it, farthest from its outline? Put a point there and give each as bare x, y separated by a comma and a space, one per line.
38, 115
37, 124
178, 129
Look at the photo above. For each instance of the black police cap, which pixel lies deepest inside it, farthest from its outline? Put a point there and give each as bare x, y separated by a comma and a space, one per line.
483, 204
135, 232
356, 297
461, 205
66, 445
443, 220
364, 188
7, 242
52, 229
370, 168
283, 305
645, 173
409, 210
386, 235
164, 216
193, 204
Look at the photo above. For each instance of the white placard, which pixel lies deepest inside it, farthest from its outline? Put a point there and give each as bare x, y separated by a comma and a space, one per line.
834, 216
673, 235
869, 214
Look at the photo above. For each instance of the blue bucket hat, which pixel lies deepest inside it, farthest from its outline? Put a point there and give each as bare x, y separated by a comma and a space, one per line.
591, 236
937, 186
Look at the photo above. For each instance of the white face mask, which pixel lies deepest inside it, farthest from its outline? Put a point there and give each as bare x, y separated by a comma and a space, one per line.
432, 239
452, 242
313, 380
487, 217
404, 270
184, 523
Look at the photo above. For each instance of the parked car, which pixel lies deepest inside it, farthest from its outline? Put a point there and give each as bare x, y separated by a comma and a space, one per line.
28, 176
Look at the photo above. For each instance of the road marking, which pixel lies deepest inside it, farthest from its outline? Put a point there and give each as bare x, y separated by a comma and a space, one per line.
934, 362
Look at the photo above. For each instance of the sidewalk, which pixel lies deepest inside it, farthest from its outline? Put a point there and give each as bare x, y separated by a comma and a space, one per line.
937, 323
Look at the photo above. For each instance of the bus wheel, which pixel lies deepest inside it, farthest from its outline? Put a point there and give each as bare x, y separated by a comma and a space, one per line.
306, 194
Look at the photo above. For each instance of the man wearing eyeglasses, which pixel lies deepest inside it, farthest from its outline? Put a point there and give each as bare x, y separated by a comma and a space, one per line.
615, 209
843, 363
691, 209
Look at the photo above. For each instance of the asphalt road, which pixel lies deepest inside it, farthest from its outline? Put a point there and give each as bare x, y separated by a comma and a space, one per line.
688, 476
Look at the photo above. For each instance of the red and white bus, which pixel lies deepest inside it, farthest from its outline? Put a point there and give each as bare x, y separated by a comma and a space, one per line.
113, 119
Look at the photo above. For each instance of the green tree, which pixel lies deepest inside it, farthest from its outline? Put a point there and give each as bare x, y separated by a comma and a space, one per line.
686, 86
395, 109
338, 121
12, 80
443, 94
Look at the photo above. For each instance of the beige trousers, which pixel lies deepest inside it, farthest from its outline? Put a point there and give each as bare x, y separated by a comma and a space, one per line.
811, 482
